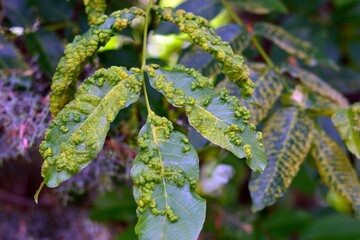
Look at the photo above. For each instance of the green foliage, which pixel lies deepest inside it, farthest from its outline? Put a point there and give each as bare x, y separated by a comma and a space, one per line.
222, 95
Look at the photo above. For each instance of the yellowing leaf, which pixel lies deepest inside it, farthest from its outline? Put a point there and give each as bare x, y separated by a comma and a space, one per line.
165, 175
347, 122
218, 116
78, 132
336, 171
80, 50
95, 9
287, 138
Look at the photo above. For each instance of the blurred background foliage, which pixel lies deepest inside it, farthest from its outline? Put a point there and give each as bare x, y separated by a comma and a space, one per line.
33, 34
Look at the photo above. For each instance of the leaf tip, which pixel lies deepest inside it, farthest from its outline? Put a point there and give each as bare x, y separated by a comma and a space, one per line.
36, 196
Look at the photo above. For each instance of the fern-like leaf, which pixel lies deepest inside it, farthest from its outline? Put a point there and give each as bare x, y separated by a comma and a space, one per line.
165, 175
216, 115
78, 132
287, 137
197, 28
347, 122
336, 171
77, 53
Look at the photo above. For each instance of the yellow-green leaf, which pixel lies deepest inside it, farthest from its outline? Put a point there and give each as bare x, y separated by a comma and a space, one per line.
287, 140
218, 116
78, 132
78, 52
165, 175
95, 9
316, 84
197, 28
347, 122
336, 171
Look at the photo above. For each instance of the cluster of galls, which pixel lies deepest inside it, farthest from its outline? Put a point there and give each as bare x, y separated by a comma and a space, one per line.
199, 31
94, 9
77, 53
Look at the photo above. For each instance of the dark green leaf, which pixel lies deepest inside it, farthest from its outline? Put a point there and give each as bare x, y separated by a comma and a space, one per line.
165, 175
260, 6
78, 132
194, 57
316, 85
77, 54
347, 122
336, 171
217, 116
287, 139
289, 43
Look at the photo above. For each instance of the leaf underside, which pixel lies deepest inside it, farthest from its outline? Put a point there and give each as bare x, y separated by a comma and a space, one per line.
80, 50
217, 116
347, 122
78, 132
336, 171
287, 137
165, 175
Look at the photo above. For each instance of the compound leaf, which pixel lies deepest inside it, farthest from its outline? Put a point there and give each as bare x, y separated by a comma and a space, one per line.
289, 43
194, 57
260, 6
77, 53
336, 171
347, 122
316, 84
217, 116
197, 28
165, 175
287, 137
78, 132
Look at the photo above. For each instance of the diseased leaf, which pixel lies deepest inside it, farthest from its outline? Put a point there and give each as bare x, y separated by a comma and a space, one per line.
78, 132
289, 43
260, 6
336, 171
165, 175
77, 53
287, 137
197, 28
347, 122
208, 9
95, 9
194, 57
316, 84
217, 116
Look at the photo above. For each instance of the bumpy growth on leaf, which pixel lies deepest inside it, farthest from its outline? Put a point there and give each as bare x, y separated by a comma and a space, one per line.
197, 28
95, 9
78, 132
219, 117
165, 175
288, 136
347, 122
77, 53
316, 84
336, 171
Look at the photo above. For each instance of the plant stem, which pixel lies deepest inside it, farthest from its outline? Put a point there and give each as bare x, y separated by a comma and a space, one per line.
254, 40
143, 57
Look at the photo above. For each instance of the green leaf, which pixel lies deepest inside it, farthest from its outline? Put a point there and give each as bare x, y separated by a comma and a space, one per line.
199, 31
260, 6
165, 175
78, 132
95, 9
77, 53
287, 138
336, 171
289, 43
347, 122
194, 57
217, 116
316, 84
205, 8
